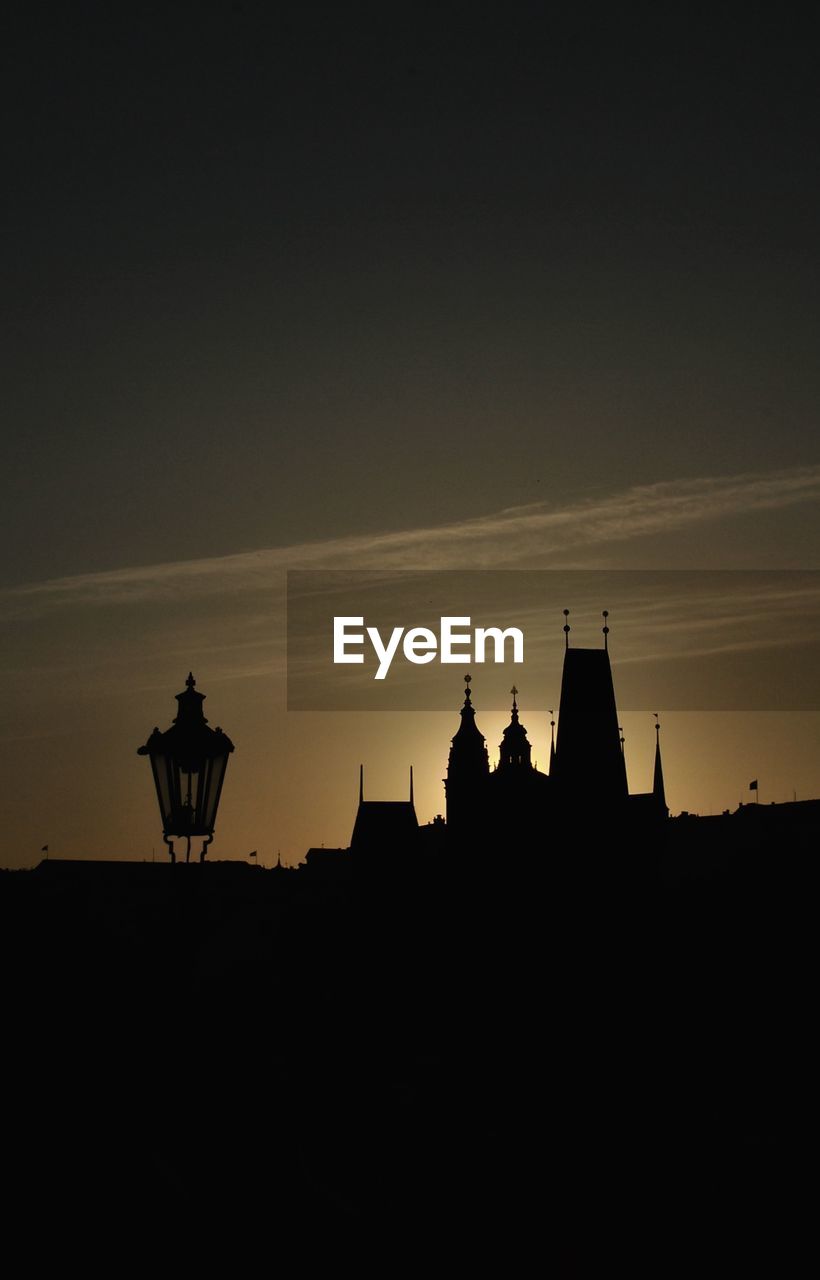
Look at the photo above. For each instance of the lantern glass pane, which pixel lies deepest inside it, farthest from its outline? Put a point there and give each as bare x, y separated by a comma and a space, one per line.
160, 765
200, 791
186, 788
218, 765
187, 800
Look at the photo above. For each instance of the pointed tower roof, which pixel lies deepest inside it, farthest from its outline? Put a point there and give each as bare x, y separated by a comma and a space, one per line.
552, 743
468, 751
515, 750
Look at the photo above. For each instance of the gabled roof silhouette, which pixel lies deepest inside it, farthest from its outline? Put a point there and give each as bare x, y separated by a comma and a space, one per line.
383, 823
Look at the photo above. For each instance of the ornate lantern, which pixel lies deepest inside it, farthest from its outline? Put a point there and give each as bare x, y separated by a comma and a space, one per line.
188, 762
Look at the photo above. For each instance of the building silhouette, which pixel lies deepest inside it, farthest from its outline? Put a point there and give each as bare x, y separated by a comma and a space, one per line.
380, 822
512, 802
586, 785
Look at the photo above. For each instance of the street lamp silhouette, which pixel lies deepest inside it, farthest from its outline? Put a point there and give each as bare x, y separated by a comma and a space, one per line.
188, 762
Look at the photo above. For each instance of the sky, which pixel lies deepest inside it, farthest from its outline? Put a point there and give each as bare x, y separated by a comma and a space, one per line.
386, 287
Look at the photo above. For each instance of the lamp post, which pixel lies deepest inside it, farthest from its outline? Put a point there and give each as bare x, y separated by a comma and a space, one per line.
188, 762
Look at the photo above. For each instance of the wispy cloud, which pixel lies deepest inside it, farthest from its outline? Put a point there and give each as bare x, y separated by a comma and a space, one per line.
537, 535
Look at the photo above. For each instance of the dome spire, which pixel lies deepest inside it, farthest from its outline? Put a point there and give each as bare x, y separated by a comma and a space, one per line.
468, 731
515, 750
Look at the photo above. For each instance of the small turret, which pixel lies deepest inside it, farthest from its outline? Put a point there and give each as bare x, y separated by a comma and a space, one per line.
515, 751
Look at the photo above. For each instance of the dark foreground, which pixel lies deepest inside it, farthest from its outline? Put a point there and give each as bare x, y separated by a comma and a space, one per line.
442, 1064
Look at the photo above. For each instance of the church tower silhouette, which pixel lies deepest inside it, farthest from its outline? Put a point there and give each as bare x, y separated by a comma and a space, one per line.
468, 769
589, 762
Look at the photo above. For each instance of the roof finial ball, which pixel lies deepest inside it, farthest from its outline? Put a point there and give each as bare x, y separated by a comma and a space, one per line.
605, 615
566, 627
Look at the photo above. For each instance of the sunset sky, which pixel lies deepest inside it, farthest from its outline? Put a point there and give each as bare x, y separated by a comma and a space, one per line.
386, 286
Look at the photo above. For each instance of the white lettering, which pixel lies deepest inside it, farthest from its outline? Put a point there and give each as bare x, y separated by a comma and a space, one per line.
450, 637
341, 639
385, 655
498, 637
420, 645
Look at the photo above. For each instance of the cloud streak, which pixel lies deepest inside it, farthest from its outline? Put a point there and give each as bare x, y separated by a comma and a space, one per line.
533, 536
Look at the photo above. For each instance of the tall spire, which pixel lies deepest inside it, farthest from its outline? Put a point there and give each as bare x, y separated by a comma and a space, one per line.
552, 739
361, 783
411, 784
657, 781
